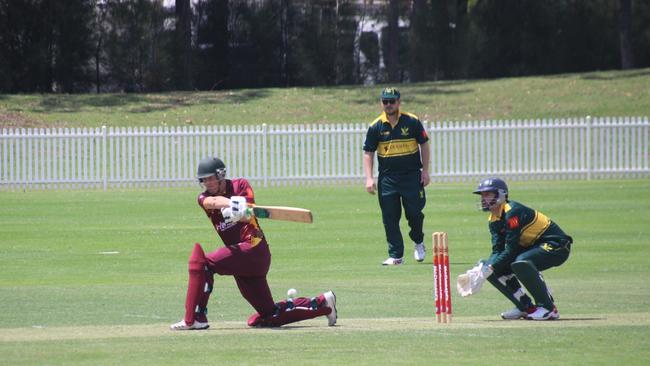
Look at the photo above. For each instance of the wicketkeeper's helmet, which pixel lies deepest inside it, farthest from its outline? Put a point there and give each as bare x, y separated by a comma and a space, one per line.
209, 167
496, 185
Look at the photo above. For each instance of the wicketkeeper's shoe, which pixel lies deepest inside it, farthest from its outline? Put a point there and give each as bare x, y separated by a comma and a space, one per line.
330, 302
197, 325
392, 262
515, 314
544, 314
419, 252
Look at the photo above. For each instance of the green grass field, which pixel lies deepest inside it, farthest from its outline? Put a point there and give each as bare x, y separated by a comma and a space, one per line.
608, 93
64, 302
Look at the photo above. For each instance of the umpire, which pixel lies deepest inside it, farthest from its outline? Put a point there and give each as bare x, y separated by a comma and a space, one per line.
402, 147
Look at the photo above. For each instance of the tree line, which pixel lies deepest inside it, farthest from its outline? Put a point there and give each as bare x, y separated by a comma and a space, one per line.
152, 45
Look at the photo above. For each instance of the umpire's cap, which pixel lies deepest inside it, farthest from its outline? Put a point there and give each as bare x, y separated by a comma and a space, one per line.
390, 93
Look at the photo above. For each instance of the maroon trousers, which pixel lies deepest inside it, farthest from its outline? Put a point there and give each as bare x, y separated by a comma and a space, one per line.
249, 265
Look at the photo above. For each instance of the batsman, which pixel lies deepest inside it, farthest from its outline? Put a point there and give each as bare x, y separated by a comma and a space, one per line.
525, 242
245, 256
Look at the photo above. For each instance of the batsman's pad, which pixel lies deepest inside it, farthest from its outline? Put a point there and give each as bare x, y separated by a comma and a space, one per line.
199, 286
197, 258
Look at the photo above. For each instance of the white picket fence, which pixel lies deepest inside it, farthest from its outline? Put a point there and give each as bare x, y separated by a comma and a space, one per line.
73, 158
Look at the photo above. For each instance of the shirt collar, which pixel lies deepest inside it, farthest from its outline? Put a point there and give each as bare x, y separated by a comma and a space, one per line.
384, 117
504, 208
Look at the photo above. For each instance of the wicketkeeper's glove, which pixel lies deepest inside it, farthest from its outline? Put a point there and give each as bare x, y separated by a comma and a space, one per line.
471, 281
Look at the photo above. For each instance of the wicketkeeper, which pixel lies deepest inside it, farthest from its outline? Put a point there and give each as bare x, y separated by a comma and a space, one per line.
524, 243
245, 256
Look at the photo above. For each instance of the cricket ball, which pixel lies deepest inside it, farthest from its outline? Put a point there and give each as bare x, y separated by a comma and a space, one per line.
292, 292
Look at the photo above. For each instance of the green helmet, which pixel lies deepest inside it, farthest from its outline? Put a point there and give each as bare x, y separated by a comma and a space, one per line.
209, 167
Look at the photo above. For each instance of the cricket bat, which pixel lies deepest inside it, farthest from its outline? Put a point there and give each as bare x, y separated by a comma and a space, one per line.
282, 213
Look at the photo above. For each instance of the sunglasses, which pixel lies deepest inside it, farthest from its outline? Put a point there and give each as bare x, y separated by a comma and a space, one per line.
388, 101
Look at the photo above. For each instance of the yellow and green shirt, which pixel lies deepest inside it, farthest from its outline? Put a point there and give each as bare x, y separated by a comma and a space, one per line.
516, 229
397, 148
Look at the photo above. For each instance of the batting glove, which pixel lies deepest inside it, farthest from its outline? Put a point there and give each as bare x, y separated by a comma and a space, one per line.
238, 203
229, 215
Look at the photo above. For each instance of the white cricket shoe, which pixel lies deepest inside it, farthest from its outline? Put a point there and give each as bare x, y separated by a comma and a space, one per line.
419, 252
197, 325
392, 262
330, 302
514, 314
544, 314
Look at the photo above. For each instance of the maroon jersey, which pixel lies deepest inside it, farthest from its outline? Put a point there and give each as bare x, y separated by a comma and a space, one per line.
235, 232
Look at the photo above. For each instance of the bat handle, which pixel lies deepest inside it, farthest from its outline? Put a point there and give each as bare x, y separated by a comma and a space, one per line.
249, 213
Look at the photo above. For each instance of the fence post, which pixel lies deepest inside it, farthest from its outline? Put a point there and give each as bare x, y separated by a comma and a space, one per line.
265, 156
104, 157
588, 147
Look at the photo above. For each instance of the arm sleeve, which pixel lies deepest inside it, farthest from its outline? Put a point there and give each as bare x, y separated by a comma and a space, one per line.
200, 200
510, 243
497, 241
421, 135
244, 189
371, 142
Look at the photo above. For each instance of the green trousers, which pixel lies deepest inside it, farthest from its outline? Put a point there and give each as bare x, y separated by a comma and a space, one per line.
527, 268
397, 190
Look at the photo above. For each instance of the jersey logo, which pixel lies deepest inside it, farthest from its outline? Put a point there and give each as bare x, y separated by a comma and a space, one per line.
405, 131
385, 133
513, 222
222, 226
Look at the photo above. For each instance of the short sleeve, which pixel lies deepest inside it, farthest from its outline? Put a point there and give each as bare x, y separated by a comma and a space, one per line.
370, 145
243, 188
421, 135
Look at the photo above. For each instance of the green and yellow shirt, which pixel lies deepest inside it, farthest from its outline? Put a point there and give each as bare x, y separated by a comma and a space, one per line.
397, 148
516, 229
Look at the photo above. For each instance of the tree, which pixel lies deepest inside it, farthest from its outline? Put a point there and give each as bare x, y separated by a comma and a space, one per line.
211, 67
625, 26
71, 46
45, 45
99, 38
391, 50
421, 50
137, 56
183, 45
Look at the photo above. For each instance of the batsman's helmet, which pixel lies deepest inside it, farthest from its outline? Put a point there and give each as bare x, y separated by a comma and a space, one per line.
496, 185
209, 167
